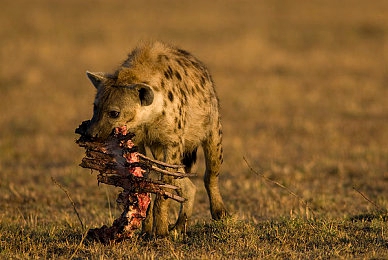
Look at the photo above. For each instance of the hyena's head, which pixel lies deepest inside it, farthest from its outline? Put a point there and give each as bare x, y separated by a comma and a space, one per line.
117, 105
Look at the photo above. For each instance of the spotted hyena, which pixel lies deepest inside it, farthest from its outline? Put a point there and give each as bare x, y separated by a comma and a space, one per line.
166, 97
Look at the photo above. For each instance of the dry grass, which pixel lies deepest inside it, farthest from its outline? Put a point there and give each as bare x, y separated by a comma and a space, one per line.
303, 88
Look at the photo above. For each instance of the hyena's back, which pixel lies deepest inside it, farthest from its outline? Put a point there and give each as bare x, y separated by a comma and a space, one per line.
190, 104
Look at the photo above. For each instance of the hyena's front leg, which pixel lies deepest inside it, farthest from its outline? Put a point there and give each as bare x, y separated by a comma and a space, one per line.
160, 216
187, 190
172, 155
146, 227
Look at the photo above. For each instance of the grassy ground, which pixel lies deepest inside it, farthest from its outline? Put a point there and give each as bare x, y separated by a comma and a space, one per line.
303, 88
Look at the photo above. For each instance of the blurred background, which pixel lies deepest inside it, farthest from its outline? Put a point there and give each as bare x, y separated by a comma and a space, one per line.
303, 87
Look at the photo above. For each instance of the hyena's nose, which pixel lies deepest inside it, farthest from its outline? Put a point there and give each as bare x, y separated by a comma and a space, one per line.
87, 129
83, 128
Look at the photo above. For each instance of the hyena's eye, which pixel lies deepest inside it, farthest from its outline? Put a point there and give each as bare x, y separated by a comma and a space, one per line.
114, 114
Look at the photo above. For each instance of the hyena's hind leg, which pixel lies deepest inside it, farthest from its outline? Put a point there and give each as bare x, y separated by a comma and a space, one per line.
213, 156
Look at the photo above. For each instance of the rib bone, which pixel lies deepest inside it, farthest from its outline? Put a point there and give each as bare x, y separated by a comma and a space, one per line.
119, 164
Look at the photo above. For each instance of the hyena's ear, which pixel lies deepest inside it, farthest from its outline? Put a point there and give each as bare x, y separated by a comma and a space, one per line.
96, 78
146, 94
